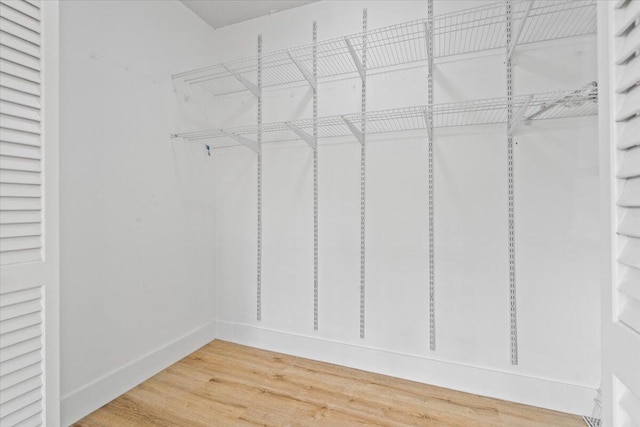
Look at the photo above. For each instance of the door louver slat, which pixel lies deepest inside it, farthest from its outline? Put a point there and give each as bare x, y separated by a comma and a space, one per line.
23, 7
19, 369
19, 190
13, 73
630, 284
629, 164
16, 350
630, 193
20, 322
628, 105
629, 133
630, 254
21, 388
629, 77
630, 314
21, 45
630, 403
24, 414
24, 83
20, 177
12, 28
19, 164
14, 15
630, 224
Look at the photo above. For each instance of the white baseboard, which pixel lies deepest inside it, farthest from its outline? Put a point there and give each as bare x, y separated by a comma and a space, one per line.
544, 393
92, 396
540, 392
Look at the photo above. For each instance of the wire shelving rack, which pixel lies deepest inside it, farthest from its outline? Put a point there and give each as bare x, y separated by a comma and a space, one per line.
471, 30
549, 105
496, 26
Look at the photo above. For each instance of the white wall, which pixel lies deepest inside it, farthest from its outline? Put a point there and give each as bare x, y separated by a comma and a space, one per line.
136, 252
150, 228
556, 214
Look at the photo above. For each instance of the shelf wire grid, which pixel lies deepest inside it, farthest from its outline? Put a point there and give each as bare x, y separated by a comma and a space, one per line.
541, 106
470, 30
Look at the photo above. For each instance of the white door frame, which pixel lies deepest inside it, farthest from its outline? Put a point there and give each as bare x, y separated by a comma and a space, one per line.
620, 347
51, 98
605, 63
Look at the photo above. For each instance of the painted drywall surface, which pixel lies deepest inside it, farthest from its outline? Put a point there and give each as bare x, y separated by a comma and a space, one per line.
136, 217
556, 214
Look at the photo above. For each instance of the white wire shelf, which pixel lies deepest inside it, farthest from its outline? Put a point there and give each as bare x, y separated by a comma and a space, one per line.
551, 105
470, 30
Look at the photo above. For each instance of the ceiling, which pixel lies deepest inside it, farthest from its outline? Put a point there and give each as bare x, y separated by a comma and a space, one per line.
220, 13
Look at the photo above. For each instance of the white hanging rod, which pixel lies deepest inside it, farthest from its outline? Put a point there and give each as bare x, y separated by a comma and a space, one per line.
540, 106
470, 30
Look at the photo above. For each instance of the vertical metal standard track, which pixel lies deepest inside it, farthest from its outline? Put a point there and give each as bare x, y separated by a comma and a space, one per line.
432, 283
363, 128
315, 178
511, 195
259, 231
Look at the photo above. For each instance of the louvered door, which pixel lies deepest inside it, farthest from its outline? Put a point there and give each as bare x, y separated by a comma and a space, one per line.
28, 269
20, 127
622, 335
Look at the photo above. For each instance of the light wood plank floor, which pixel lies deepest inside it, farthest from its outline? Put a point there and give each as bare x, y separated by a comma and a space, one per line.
225, 384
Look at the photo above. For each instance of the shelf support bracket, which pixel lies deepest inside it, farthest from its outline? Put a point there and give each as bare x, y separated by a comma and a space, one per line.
355, 58
306, 137
354, 130
252, 145
246, 83
589, 91
544, 108
517, 117
305, 73
515, 40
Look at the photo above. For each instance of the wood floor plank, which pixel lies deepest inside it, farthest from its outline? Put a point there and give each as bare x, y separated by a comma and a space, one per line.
328, 398
226, 384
